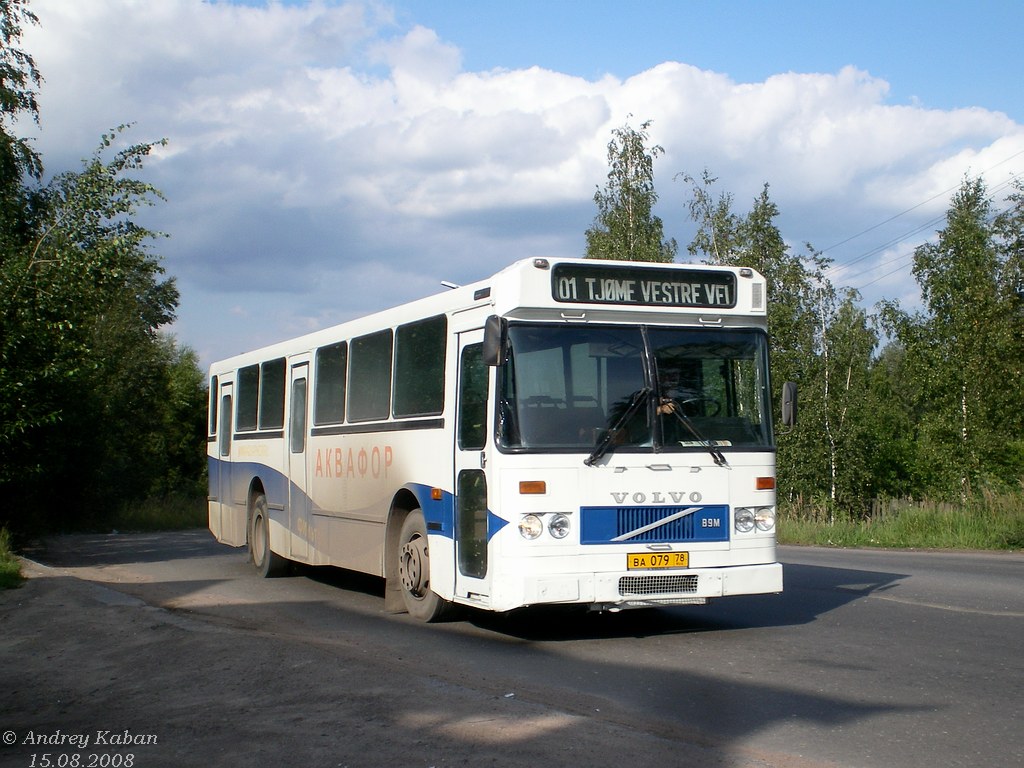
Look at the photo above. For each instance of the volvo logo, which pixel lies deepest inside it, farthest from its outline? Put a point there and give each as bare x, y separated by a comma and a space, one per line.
657, 497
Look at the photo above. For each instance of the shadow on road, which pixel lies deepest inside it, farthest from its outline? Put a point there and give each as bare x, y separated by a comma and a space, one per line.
80, 550
810, 591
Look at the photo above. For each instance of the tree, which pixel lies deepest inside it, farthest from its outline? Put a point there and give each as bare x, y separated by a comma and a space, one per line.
846, 344
964, 348
18, 78
718, 228
18, 160
625, 227
1008, 229
82, 370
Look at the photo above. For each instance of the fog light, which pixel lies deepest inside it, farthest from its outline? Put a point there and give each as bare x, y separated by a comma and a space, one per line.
744, 520
764, 518
530, 527
558, 526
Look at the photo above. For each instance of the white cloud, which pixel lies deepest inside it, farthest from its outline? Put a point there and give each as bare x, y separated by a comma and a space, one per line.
329, 161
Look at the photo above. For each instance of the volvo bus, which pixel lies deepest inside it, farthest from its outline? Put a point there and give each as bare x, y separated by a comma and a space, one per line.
567, 431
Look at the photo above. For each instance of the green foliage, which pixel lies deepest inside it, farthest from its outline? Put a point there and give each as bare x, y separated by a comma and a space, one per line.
97, 408
170, 512
963, 353
18, 80
625, 227
10, 568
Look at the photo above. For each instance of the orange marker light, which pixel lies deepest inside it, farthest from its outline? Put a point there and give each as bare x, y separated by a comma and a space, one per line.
765, 484
534, 487
436, 494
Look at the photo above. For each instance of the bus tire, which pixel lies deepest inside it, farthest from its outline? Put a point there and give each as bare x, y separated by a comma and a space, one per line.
414, 570
268, 563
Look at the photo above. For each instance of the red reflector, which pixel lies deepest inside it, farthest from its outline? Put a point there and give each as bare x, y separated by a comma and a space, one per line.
533, 487
765, 483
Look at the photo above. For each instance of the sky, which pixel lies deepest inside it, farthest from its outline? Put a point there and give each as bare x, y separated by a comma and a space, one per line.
327, 159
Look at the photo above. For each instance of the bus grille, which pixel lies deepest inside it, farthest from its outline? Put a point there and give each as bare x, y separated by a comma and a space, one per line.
656, 585
608, 525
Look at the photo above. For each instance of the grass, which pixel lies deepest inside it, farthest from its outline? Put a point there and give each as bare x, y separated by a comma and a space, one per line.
167, 513
10, 566
993, 521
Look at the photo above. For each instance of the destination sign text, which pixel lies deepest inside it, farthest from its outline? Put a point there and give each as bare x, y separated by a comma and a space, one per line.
648, 286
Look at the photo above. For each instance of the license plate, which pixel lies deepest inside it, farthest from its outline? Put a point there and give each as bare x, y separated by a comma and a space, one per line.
642, 560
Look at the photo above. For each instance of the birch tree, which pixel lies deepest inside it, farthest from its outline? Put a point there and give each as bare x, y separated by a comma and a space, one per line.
625, 227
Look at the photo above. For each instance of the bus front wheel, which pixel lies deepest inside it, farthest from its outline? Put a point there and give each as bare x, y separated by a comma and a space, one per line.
414, 570
268, 563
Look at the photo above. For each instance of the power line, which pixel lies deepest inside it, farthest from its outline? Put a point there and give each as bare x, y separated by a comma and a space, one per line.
906, 257
837, 266
925, 202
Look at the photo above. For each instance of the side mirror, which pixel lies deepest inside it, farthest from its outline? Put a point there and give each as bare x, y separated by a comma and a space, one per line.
495, 340
789, 404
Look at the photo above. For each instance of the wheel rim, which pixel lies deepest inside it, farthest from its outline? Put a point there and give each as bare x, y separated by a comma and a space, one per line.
414, 567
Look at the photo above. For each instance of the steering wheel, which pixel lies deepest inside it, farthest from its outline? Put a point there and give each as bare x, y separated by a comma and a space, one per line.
717, 405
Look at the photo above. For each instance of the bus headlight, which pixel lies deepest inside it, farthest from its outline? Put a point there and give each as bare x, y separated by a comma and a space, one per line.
764, 518
558, 526
530, 527
744, 520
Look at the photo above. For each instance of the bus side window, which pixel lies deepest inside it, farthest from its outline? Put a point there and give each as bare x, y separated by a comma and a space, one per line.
369, 376
214, 393
472, 399
419, 367
329, 402
225, 425
297, 422
248, 398
272, 394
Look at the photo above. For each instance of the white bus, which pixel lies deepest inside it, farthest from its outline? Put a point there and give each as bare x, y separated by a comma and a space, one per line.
564, 432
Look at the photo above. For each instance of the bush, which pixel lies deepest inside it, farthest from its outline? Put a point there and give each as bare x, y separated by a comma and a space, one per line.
10, 567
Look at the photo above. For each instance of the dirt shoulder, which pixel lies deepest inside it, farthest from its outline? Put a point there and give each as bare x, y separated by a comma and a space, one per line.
94, 676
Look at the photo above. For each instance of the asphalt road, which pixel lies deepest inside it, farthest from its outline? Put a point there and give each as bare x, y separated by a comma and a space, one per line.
869, 658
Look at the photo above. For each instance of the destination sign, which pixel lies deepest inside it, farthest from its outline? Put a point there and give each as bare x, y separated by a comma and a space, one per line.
647, 286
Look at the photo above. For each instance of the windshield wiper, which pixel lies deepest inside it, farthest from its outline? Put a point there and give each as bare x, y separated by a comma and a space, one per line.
639, 399
717, 455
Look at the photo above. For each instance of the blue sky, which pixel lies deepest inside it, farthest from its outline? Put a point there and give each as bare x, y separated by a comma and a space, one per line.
326, 159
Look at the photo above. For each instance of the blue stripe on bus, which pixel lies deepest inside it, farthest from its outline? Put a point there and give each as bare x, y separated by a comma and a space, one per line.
440, 515
275, 484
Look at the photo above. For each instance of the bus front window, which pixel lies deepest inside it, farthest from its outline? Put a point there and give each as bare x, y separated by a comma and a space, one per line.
565, 387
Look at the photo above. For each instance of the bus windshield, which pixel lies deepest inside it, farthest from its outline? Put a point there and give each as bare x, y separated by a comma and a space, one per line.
634, 388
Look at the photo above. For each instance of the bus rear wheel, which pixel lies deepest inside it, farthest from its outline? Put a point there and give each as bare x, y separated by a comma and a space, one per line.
268, 563
414, 570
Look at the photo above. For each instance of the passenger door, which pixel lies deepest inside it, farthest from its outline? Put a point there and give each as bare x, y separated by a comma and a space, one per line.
299, 503
472, 577
230, 520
